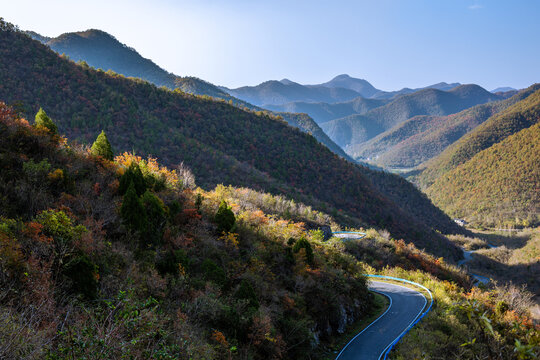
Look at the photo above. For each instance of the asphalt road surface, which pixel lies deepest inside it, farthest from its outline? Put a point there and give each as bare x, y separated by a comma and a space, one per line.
406, 305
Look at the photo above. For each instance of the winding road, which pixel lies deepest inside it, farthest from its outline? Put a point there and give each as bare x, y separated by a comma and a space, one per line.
406, 305
405, 308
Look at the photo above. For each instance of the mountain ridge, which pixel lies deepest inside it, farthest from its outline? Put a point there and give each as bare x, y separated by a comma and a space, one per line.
102, 50
356, 129
218, 141
421, 138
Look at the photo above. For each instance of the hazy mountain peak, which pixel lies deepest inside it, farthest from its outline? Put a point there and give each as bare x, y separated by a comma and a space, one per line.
503, 89
342, 77
286, 81
363, 87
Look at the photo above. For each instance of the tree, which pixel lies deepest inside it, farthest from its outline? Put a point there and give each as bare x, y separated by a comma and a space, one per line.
302, 243
225, 217
102, 147
132, 210
82, 272
44, 122
133, 175
155, 215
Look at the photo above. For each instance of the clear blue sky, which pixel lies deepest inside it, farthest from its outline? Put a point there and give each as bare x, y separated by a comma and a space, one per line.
391, 43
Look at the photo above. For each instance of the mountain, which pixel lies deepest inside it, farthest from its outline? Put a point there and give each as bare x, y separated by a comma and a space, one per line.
74, 252
491, 175
503, 89
421, 138
361, 86
275, 92
68, 231
102, 51
498, 186
356, 129
515, 118
394, 94
221, 143
322, 112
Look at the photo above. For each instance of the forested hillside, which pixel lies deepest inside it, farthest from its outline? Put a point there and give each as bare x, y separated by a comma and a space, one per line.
423, 137
356, 129
221, 143
521, 115
491, 176
497, 187
124, 258
102, 51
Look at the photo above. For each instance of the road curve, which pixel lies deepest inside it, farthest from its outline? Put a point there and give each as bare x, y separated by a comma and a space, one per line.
405, 307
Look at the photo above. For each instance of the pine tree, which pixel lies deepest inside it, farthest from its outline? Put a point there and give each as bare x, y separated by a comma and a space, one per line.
225, 217
302, 243
102, 147
155, 214
43, 121
132, 210
133, 175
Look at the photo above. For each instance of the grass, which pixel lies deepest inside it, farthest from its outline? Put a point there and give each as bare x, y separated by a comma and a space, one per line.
331, 351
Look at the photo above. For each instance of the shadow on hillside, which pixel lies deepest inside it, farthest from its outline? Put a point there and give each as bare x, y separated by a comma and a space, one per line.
518, 274
511, 240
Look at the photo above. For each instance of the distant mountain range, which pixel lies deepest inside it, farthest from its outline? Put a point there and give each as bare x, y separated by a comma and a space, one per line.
323, 112
275, 92
503, 89
421, 138
342, 88
103, 51
357, 129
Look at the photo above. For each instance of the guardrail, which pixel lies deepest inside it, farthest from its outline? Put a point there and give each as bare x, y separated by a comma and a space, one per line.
418, 318
360, 234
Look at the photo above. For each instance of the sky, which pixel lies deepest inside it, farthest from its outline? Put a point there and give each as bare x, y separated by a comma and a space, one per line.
391, 43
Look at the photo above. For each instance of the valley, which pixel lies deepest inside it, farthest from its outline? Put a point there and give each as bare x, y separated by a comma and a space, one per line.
147, 214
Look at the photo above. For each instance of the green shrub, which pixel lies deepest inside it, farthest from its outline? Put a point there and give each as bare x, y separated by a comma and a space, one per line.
501, 307
224, 218
174, 209
168, 263
60, 226
246, 292
214, 273
83, 275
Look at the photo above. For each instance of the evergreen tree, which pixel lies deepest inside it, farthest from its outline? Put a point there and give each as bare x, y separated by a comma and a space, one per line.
102, 147
44, 121
156, 217
245, 291
132, 210
225, 217
133, 175
304, 244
